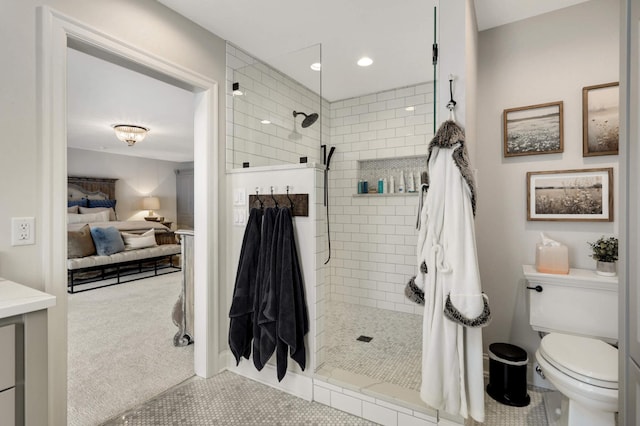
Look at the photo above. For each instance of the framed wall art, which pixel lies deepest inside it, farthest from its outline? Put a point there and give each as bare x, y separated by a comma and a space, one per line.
570, 195
600, 120
535, 129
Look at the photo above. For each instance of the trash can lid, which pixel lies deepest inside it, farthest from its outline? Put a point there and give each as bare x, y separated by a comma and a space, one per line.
508, 352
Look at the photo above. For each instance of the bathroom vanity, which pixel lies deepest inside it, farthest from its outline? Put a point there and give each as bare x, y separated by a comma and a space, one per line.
17, 304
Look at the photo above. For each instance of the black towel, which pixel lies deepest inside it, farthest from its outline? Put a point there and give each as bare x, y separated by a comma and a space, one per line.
262, 283
241, 312
266, 316
285, 304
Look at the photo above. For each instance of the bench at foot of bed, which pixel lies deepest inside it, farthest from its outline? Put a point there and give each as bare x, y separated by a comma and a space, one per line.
129, 263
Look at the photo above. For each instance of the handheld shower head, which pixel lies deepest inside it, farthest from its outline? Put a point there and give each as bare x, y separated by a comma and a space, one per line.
309, 119
333, 148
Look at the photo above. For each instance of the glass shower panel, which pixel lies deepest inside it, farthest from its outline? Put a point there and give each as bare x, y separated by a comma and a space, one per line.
275, 116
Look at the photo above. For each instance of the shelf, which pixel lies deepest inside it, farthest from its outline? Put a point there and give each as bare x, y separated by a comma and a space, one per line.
395, 194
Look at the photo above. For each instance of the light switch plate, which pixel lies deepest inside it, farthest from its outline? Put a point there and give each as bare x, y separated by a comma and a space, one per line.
239, 197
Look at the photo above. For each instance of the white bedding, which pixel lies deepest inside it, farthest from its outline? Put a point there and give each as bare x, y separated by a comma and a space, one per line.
132, 226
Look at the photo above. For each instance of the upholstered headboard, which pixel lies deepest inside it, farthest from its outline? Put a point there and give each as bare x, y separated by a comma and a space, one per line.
90, 188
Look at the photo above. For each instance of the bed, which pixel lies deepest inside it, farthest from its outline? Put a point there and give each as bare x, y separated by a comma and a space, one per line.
135, 245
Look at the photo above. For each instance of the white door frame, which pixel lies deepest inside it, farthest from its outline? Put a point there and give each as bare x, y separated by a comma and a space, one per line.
55, 30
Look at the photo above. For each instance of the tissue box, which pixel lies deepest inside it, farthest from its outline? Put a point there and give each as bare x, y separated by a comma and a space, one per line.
552, 259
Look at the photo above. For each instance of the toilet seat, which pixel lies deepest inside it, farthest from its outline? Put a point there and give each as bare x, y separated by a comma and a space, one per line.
587, 360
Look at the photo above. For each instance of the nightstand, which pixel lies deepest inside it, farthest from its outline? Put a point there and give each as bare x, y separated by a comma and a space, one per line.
167, 224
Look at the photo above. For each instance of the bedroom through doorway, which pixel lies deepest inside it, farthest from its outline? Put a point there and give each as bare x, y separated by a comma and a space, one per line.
120, 347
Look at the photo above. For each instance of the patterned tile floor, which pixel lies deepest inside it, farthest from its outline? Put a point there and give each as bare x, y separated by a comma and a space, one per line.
229, 399
394, 356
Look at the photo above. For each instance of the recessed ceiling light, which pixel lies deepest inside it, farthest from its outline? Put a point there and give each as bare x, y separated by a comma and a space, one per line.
410, 108
265, 122
316, 66
365, 61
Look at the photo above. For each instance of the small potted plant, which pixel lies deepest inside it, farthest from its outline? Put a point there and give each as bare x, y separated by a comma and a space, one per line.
605, 252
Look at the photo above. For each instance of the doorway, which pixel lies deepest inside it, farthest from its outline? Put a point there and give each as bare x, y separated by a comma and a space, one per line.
120, 336
57, 33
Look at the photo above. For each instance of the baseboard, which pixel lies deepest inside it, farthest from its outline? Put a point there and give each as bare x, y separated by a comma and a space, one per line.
292, 383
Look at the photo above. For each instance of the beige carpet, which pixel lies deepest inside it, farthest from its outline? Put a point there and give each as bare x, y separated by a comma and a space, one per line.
121, 349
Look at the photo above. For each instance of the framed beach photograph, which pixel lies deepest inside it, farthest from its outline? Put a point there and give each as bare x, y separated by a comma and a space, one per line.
600, 120
571, 195
535, 129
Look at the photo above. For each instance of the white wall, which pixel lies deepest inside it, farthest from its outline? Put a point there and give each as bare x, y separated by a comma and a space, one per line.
311, 244
137, 178
547, 58
271, 95
374, 237
163, 33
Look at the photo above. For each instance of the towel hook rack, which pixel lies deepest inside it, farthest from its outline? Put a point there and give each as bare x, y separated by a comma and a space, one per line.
274, 198
289, 198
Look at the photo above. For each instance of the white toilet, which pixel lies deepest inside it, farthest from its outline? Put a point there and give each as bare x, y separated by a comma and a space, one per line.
580, 313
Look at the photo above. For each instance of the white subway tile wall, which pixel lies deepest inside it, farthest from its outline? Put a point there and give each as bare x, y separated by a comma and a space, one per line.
267, 95
374, 237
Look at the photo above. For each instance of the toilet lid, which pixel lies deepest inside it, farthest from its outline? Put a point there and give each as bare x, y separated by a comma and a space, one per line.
588, 360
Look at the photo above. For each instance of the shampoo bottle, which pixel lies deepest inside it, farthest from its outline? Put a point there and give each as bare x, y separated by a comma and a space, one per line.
401, 182
412, 183
392, 185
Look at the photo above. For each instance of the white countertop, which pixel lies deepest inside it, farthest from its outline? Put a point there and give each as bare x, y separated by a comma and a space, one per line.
18, 299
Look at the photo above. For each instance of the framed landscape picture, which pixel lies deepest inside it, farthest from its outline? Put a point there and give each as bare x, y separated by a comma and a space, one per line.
571, 195
600, 120
535, 129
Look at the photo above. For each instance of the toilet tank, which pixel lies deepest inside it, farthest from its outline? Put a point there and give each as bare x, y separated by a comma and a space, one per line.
581, 303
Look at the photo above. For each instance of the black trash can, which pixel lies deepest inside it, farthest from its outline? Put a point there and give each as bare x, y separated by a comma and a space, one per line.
508, 374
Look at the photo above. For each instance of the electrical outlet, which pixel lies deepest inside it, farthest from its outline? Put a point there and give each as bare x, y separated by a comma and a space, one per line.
23, 231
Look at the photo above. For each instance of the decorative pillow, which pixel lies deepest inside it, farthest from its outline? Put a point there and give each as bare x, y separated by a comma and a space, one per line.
82, 202
88, 218
138, 241
102, 203
72, 209
91, 210
107, 240
80, 243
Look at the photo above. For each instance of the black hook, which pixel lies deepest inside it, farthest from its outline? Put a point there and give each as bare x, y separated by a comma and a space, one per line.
289, 198
451, 104
259, 200
274, 198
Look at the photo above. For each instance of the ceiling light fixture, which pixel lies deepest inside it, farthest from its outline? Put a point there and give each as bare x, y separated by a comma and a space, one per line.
130, 133
265, 121
410, 108
316, 66
236, 89
365, 61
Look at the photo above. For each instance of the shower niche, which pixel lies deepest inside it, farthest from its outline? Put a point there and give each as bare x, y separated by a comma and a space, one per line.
398, 176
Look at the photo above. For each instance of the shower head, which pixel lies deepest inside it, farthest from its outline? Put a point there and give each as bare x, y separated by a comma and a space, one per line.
309, 119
